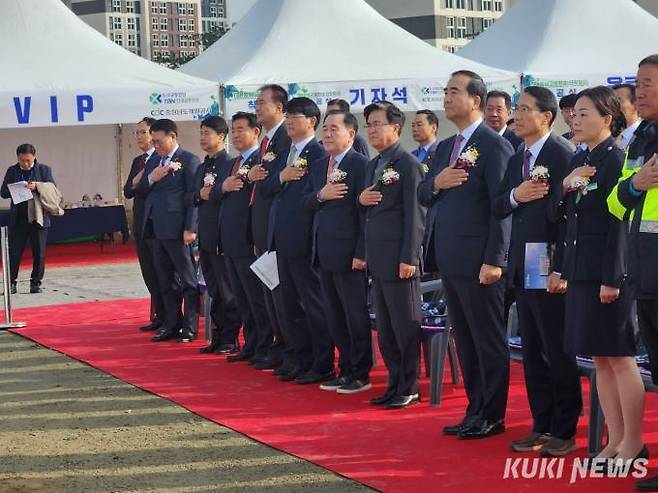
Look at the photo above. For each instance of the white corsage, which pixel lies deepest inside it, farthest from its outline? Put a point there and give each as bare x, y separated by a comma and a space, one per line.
176, 165
468, 158
209, 179
300, 163
269, 157
389, 176
539, 173
243, 172
337, 176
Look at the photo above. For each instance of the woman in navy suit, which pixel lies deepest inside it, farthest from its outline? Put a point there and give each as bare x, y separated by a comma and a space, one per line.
594, 263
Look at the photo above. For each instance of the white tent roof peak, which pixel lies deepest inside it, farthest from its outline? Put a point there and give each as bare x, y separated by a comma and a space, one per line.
306, 41
543, 37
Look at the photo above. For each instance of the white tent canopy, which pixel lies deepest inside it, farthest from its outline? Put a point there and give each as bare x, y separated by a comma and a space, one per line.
57, 70
568, 45
324, 49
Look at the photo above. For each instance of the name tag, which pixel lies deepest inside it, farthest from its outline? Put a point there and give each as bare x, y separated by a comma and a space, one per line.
592, 186
635, 163
649, 227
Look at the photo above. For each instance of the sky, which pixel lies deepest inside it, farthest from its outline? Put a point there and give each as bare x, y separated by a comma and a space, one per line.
237, 8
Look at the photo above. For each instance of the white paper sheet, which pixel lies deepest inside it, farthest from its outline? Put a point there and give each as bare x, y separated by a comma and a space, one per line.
265, 267
19, 193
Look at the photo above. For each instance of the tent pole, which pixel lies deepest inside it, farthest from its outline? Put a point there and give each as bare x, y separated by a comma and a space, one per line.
222, 109
119, 139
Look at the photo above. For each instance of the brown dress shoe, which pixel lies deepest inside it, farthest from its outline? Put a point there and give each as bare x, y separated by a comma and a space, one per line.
531, 443
556, 447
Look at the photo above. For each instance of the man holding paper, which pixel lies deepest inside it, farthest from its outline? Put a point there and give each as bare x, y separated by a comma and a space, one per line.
19, 184
550, 373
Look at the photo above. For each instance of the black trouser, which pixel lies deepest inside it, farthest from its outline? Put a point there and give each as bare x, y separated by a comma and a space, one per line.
18, 236
306, 327
647, 315
224, 308
174, 263
346, 307
476, 314
145, 255
251, 304
551, 375
398, 317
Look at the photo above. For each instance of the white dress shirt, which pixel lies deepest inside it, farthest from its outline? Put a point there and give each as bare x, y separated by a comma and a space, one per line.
627, 134
468, 132
272, 131
247, 154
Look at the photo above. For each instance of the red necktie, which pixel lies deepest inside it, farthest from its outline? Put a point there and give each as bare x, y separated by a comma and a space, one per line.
236, 166
331, 167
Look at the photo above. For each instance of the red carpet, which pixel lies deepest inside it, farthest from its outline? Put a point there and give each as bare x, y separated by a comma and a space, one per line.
82, 254
399, 451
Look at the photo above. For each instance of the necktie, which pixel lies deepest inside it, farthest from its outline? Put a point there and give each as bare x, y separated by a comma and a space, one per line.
421, 154
163, 160
455, 148
292, 155
331, 167
526, 164
142, 162
236, 165
263, 146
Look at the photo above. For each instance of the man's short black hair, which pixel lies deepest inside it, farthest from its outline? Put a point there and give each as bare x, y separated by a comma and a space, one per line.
394, 115
304, 106
630, 87
165, 125
568, 101
650, 60
343, 105
279, 94
148, 120
501, 94
26, 149
475, 87
217, 124
544, 99
251, 119
349, 120
431, 118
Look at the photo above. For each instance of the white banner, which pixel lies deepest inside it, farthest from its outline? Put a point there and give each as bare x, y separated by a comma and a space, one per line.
26, 110
563, 84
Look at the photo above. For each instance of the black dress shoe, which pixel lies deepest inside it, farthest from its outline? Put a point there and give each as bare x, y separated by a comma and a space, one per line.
35, 288
383, 399
400, 401
265, 364
314, 377
155, 325
14, 289
209, 349
484, 430
241, 356
164, 335
226, 349
291, 375
282, 370
186, 335
467, 422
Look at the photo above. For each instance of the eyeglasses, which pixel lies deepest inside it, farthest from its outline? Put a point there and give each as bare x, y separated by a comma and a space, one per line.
377, 125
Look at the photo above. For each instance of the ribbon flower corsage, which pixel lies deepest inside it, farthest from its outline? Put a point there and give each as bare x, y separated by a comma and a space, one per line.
583, 185
468, 158
269, 157
337, 176
539, 173
209, 179
389, 176
243, 172
424, 167
175, 165
300, 163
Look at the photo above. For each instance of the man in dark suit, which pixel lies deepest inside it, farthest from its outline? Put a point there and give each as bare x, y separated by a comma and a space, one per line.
207, 197
394, 227
144, 247
236, 240
27, 170
551, 375
471, 251
289, 235
497, 113
172, 221
567, 104
270, 112
338, 250
360, 145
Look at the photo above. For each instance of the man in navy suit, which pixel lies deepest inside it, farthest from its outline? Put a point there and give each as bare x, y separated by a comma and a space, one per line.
567, 104
551, 374
394, 227
289, 235
471, 251
237, 243
339, 250
207, 197
172, 221
360, 145
270, 112
27, 169
497, 112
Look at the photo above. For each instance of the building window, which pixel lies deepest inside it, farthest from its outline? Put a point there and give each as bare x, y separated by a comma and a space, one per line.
130, 23
221, 11
117, 38
116, 5
182, 24
190, 25
213, 11
154, 8
164, 40
155, 23
190, 9
182, 40
469, 5
164, 24
486, 5
451, 49
450, 27
130, 6
461, 27
498, 5
486, 24
163, 8
180, 8
450, 4
132, 40
117, 23
155, 40
461, 4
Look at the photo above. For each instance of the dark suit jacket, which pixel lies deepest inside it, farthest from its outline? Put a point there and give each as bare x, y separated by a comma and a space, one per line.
166, 203
39, 172
466, 233
235, 217
260, 210
429, 157
289, 229
208, 210
595, 241
530, 221
338, 224
394, 228
512, 138
138, 200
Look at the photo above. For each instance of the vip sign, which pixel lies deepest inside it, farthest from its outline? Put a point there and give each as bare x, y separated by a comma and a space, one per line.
24, 108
